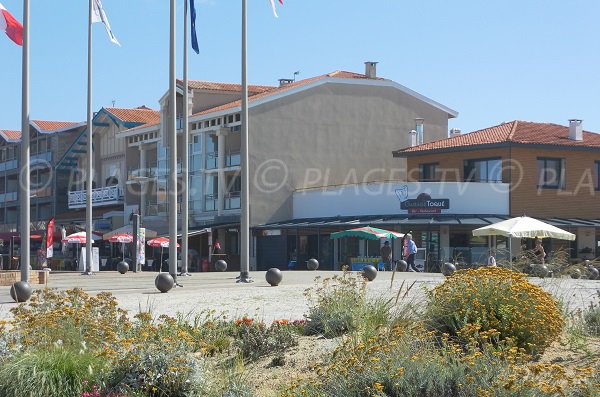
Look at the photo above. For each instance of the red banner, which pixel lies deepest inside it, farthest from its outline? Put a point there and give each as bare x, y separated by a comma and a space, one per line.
50, 238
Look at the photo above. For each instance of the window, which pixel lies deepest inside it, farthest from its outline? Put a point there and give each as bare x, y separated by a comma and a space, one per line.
429, 172
551, 173
483, 170
597, 174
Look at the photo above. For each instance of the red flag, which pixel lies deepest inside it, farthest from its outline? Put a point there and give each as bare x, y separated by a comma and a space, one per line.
12, 27
50, 239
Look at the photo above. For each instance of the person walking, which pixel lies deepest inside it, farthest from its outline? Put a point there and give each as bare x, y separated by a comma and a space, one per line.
386, 256
410, 250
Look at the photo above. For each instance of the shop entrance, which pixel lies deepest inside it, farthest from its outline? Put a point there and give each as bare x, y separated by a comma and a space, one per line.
430, 240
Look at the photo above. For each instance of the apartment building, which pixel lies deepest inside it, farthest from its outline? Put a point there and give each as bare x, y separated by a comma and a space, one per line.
326, 130
49, 141
109, 159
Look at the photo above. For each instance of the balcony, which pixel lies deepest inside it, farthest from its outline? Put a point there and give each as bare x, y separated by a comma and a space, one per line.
233, 159
137, 174
41, 157
161, 209
232, 200
211, 202
8, 165
100, 197
212, 161
8, 197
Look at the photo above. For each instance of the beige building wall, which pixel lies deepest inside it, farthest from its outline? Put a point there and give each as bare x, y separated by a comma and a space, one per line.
328, 135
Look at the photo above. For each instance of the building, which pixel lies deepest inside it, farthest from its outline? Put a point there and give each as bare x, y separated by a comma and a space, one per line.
327, 130
49, 140
455, 185
111, 174
552, 173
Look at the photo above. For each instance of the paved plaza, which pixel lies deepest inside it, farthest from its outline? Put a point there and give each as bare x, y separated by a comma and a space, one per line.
220, 292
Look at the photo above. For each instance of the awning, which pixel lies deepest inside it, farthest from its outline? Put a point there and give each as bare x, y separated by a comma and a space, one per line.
418, 220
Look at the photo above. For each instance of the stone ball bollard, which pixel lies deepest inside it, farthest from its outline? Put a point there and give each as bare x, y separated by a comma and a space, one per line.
123, 267
164, 282
21, 291
576, 273
369, 272
274, 276
221, 265
593, 273
448, 269
312, 264
540, 271
401, 266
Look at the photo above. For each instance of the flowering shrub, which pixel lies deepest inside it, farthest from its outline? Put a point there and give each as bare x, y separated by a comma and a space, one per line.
72, 316
495, 300
413, 362
255, 339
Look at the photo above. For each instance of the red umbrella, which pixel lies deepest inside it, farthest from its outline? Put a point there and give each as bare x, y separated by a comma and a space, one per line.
123, 238
161, 242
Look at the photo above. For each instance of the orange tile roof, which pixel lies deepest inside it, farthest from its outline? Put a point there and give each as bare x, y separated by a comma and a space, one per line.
232, 87
337, 74
53, 125
517, 132
10, 135
141, 114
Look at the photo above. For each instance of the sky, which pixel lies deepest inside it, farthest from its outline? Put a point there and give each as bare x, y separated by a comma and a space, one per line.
492, 61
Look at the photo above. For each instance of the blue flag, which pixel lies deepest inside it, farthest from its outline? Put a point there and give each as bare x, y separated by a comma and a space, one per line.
193, 27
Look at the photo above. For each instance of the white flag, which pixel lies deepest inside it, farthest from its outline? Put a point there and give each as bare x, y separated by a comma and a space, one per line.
273, 7
98, 15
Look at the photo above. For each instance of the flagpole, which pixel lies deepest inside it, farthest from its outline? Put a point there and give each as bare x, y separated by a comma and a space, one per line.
245, 206
172, 130
88, 201
186, 149
21, 291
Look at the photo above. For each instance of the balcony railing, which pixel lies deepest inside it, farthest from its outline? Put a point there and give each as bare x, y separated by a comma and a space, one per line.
134, 174
212, 161
8, 165
232, 159
102, 196
44, 156
8, 197
232, 200
160, 209
211, 202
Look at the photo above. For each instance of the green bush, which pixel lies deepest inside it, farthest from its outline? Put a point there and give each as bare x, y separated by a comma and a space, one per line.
339, 305
254, 339
497, 303
591, 318
55, 372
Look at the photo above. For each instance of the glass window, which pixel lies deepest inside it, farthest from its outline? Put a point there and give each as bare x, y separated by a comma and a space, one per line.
483, 170
597, 174
550, 173
429, 172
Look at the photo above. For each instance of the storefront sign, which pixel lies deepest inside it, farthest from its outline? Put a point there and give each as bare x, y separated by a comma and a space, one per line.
403, 198
425, 205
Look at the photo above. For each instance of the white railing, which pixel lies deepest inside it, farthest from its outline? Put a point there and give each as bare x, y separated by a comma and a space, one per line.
101, 196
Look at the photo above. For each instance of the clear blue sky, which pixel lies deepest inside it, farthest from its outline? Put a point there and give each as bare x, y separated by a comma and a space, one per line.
492, 61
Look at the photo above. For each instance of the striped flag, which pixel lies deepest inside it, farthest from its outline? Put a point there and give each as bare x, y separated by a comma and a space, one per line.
98, 15
193, 27
12, 27
273, 7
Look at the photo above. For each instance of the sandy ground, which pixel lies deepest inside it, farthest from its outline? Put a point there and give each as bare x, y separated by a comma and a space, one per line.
220, 292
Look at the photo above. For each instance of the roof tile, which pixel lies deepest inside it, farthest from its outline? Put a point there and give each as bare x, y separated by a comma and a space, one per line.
141, 114
520, 132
